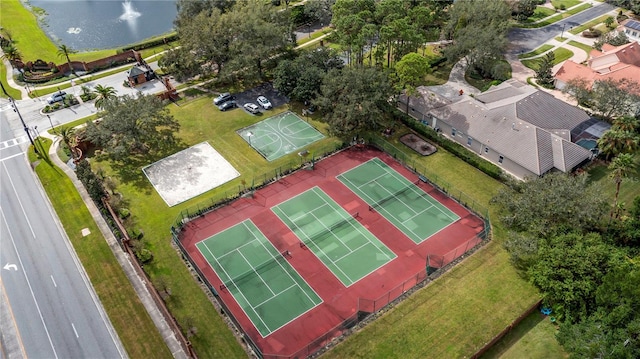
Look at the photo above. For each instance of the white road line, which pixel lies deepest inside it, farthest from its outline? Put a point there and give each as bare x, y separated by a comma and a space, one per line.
54, 281
28, 282
74, 330
12, 156
19, 202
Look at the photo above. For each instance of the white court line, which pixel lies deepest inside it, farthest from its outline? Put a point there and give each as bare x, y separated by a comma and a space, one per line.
421, 193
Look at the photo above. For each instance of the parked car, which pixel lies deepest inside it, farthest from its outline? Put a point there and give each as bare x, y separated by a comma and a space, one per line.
252, 107
227, 105
222, 98
262, 101
56, 97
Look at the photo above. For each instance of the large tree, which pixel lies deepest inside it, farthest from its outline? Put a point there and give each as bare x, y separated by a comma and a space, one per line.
64, 51
410, 73
569, 269
354, 101
479, 32
551, 204
622, 166
616, 141
105, 93
257, 33
544, 74
300, 78
613, 98
132, 126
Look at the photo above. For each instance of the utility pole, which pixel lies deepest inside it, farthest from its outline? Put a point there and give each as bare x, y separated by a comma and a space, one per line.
24, 125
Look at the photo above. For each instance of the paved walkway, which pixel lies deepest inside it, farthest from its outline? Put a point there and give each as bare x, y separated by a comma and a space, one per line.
137, 282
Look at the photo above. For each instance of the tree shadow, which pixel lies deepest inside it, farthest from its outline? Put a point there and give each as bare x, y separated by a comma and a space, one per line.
129, 170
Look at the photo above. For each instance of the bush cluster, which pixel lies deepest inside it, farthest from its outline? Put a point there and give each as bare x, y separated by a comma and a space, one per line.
150, 43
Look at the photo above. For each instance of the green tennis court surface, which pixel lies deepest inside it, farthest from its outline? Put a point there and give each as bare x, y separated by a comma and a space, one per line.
279, 135
400, 201
265, 285
336, 237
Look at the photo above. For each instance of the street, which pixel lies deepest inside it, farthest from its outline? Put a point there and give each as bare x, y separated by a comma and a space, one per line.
49, 308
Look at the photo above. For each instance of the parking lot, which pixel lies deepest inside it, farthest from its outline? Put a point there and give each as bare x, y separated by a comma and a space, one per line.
266, 90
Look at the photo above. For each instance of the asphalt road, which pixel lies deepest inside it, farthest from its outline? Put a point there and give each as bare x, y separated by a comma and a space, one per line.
49, 308
525, 40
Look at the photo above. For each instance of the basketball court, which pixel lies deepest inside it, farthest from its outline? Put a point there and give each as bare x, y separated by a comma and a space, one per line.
279, 135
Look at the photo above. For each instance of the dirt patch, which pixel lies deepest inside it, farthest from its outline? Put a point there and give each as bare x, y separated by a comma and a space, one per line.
418, 144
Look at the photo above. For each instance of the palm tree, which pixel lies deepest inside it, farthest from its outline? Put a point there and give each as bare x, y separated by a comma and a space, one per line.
105, 93
11, 52
626, 123
616, 141
622, 166
69, 139
64, 51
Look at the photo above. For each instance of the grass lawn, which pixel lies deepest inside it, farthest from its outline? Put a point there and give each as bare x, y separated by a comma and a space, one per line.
10, 90
561, 54
532, 338
629, 189
129, 317
567, 3
536, 52
540, 13
580, 45
555, 18
439, 75
314, 35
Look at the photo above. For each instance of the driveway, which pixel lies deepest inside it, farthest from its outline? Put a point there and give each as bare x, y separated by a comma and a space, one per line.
525, 40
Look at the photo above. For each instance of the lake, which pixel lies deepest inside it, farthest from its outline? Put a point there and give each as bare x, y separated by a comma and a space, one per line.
105, 24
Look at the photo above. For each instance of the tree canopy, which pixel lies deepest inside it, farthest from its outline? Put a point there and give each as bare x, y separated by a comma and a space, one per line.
133, 125
354, 101
551, 204
479, 32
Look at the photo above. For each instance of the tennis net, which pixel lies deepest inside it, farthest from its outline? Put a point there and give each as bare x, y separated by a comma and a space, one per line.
256, 270
330, 229
389, 197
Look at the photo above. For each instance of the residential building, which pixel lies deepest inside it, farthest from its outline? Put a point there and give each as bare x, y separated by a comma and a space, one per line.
613, 62
525, 131
631, 28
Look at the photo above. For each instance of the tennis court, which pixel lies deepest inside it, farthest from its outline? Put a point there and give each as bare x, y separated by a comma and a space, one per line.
336, 237
279, 135
401, 202
267, 288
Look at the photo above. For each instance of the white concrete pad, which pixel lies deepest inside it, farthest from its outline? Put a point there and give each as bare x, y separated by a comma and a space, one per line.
189, 173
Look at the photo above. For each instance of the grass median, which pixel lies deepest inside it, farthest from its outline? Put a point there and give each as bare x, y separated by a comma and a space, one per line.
137, 332
561, 54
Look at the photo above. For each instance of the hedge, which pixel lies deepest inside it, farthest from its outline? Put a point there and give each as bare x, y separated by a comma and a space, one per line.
151, 43
451, 146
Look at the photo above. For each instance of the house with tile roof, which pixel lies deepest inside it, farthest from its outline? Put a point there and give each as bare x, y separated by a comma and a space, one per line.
525, 131
613, 62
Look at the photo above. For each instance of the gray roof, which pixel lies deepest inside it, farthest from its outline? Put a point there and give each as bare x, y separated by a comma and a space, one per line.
532, 147
137, 70
632, 24
545, 111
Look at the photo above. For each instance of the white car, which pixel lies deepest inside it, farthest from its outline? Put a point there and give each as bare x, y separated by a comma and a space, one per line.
251, 107
262, 101
56, 97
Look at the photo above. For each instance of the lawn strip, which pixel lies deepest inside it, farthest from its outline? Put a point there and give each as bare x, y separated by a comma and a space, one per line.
135, 328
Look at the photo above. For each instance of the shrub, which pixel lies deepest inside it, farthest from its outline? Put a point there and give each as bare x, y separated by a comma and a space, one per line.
591, 33
563, 7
